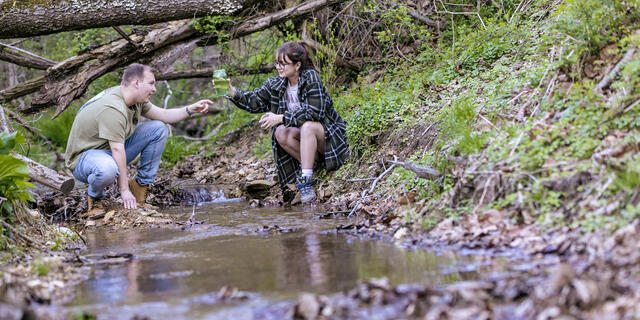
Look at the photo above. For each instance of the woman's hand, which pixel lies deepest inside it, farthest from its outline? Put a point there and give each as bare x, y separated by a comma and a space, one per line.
232, 89
270, 120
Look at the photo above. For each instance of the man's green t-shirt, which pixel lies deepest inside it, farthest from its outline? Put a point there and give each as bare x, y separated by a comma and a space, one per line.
104, 118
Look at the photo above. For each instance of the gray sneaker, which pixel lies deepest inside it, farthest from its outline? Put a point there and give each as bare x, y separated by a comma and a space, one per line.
307, 192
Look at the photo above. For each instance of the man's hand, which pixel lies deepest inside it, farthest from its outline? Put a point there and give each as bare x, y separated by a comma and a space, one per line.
128, 199
270, 120
201, 106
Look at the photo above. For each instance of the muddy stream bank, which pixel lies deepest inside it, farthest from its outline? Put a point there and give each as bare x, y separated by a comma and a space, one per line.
245, 263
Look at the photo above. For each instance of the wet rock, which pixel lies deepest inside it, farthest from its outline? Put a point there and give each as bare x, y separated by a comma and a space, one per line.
275, 229
308, 307
259, 188
400, 234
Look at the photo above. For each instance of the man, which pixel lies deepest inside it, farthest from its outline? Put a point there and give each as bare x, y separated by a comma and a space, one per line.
105, 136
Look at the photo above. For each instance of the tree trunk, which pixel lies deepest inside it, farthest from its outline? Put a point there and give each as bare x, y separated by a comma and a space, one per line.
19, 19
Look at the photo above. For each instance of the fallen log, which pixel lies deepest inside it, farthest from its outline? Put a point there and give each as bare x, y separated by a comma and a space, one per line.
46, 176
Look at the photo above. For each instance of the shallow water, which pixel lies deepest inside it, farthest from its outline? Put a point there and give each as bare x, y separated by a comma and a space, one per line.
177, 274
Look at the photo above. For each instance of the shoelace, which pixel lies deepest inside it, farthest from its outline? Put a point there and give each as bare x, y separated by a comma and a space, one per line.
305, 186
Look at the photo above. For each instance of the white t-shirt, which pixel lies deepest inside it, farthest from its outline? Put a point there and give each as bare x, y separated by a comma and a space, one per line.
293, 103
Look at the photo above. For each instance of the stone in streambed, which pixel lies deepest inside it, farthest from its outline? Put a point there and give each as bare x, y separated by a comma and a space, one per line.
259, 189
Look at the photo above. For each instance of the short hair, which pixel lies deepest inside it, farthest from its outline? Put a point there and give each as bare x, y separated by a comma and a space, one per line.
134, 71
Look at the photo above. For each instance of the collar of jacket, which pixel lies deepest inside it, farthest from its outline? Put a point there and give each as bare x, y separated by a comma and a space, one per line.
282, 82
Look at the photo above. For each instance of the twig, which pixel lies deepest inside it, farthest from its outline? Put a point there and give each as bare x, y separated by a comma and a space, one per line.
484, 193
190, 221
35, 132
429, 127
373, 185
339, 13
402, 55
515, 146
517, 96
364, 179
516, 11
20, 234
125, 36
487, 120
169, 93
631, 106
479, 17
80, 236
609, 77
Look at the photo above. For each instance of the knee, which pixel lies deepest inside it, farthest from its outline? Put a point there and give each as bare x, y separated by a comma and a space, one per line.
281, 135
160, 129
310, 128
108, 170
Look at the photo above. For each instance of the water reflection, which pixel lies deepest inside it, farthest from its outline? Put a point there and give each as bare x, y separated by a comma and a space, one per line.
173, 267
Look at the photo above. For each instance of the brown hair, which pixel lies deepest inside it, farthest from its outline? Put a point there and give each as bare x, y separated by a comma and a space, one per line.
134, 71
296, 52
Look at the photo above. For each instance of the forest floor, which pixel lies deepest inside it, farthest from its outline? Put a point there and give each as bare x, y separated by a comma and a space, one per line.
553, 188
569, 274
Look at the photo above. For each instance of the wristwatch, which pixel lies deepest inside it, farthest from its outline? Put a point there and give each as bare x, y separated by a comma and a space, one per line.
188, 111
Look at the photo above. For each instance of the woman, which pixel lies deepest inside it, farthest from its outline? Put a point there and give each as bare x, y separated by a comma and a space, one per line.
306, 131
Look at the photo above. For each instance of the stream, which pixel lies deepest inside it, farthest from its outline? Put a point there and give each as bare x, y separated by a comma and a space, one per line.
270, 255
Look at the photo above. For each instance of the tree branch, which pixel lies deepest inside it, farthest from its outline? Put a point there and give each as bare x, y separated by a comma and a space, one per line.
373, 186
206, 72
22, 89
606, 81
24, 58
421, 172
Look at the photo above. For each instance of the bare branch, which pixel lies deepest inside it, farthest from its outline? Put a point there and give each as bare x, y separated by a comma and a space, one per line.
606, 81
124, 35
421, 172
206, 72
24, 58
373, 186
23, 89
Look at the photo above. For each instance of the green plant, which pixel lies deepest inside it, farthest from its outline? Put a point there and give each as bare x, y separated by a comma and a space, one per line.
13, 175
458, 127
262, 148
40, 268
176, 149
216, 26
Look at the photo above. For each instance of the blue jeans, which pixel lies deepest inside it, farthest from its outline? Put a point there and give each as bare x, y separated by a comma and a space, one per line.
99, 170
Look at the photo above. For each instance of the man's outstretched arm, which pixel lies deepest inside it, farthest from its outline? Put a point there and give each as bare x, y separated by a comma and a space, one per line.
174, 115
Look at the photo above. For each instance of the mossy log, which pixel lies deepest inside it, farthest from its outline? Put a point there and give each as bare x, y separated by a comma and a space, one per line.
19, 19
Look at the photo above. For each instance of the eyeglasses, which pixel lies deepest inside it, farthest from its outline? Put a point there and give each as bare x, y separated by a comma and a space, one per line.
278, 65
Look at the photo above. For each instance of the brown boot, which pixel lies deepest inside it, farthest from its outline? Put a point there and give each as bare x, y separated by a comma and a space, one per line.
95, 208
138, 191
